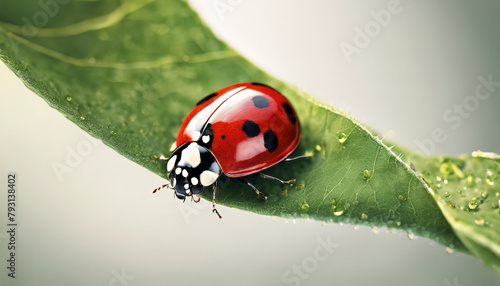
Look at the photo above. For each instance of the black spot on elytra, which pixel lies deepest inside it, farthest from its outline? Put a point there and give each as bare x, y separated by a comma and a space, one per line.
251, 128
206, 98
270, 140
289, 112
260, 101
223, 137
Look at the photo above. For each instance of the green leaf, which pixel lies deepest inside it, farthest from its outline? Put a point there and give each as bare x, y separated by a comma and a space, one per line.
466, 189
129, 72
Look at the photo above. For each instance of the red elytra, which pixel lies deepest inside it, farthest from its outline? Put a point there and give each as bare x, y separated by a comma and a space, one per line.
251, 127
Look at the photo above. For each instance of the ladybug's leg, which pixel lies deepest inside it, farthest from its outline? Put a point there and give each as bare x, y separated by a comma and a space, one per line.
214, 210
277, 179
161, 187
259, 193
295, 158
195, 198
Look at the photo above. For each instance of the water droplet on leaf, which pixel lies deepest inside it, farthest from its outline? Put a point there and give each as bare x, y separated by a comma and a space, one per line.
304, 207
338, 211
473, 205
367, 174
479, 221
342, 138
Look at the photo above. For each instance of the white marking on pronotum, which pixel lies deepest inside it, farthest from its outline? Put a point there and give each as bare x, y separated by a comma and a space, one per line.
185, 173
178, 171
194, 181
174, 182
205, 139
171, 163
208, 177
194, 158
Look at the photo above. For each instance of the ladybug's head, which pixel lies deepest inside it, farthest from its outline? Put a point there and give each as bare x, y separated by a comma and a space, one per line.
191, 168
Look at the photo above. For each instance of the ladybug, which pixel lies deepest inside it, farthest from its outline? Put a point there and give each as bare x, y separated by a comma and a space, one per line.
237, 131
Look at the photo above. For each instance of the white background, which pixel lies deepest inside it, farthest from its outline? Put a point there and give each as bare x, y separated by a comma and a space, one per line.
101, 219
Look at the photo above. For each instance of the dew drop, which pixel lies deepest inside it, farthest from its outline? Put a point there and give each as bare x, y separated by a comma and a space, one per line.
479, 221
410, 236
438, 178
364, 216
470, 181
342, 138
484, 195
318, 147
401, 198
304, 207
446, 194
333, 201
445, 182
356, 227
449, 250
338, 211
398, 223
82, 118
367, 174
375, 229
68, 98
473, 205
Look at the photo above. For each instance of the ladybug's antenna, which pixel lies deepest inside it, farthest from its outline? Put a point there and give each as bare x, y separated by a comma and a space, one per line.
167, 185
